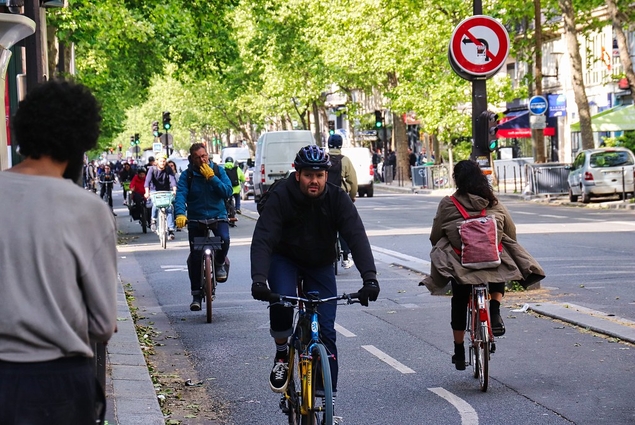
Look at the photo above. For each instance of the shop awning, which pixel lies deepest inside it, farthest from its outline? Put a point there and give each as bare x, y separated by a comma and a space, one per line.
620, 118
516, 125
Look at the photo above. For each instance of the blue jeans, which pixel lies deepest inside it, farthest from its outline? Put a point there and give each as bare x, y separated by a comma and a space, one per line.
283, 279
237, 200
196, 230
169, 210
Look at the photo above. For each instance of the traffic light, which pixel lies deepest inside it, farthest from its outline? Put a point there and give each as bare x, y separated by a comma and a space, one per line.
131, 140
331, 127
166, 120
155, 128
379, 120
487, 123
492, 129
136, 138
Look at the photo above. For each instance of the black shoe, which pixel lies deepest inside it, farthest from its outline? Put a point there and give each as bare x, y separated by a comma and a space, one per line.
195, 305
221, 273
458, 359
279, 376
498, 327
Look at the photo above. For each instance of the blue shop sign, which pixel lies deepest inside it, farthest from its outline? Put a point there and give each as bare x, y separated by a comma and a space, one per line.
557, 105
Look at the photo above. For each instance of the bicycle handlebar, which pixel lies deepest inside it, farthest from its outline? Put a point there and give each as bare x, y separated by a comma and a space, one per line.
288, 300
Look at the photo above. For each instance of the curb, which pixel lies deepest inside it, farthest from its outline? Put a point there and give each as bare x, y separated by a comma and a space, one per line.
134, 398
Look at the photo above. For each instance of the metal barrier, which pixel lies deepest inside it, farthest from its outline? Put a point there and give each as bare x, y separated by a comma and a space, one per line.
431, 177
547, 179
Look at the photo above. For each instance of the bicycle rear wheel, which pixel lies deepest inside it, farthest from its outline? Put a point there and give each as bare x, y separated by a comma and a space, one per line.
483, 355
163, 231
321, 412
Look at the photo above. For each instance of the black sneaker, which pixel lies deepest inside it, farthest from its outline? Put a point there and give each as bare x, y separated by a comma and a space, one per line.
458, 359
279, 376
195, 305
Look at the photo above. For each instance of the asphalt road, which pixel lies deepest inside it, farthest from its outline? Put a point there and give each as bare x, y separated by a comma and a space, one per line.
395, 355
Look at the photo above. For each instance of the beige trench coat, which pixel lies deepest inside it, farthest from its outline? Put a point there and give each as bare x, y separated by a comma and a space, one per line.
516, 263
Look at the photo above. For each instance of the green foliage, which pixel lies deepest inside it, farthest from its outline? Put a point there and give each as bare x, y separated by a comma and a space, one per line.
626, 140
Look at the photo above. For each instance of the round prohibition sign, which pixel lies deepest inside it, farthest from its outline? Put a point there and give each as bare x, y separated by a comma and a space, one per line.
479, 45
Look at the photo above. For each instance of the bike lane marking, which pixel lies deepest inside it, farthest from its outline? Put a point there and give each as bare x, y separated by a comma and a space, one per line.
467, 412
345, 332
387, 359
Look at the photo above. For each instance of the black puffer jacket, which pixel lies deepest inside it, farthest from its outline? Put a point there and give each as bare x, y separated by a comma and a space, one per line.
304, 230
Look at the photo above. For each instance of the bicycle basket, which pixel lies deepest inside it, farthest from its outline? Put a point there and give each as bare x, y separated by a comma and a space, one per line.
214, 242
161, 199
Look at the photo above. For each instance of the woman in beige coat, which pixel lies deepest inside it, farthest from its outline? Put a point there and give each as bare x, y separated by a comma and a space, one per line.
475, 194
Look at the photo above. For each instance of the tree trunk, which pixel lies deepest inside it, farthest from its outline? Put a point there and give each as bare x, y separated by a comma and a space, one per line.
401, 147
573, 47
618, 19
316, 123
435, 149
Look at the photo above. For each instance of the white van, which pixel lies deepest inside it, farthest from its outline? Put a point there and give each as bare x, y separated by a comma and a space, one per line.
275, 153
362, 160
239, 155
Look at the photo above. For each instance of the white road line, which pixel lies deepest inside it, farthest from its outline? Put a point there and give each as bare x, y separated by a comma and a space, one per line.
468, 414
524, 213
387, 359
552, 216
345, 332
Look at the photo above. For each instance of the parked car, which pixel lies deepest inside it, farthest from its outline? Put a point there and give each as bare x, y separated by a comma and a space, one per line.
248, 188
601, 172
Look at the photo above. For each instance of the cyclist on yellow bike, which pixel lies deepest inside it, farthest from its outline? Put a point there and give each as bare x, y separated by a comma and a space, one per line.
294, 235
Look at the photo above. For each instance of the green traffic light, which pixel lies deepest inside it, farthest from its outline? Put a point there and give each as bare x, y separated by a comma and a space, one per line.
167, 125
493, 145
331, 132
378, 124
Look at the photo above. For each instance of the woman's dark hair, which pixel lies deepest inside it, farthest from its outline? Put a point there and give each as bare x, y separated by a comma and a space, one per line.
469, 178
59, 119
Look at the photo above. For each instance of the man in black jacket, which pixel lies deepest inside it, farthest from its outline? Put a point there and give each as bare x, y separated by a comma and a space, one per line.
295, 234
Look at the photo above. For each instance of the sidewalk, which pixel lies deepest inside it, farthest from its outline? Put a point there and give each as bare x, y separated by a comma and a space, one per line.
130, 393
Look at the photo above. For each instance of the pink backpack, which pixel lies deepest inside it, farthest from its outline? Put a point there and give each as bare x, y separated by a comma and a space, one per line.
479, 240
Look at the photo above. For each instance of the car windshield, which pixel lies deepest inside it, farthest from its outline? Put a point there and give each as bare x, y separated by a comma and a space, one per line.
610, 159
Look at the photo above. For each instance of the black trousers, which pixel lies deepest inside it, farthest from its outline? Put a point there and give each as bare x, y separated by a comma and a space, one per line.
58, 392
460, 297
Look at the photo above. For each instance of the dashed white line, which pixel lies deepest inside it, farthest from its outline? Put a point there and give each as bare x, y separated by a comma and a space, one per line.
345, 332
387, 359
467, 412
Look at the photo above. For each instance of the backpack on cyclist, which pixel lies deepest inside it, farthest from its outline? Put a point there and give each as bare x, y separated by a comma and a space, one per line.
335, 171
479, 240
232, 173
263, 199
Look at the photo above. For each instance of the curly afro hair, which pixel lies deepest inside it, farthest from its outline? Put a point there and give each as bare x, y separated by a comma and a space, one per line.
58, 119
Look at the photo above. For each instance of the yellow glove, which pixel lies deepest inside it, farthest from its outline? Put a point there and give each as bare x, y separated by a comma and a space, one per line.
207, 171
180, 221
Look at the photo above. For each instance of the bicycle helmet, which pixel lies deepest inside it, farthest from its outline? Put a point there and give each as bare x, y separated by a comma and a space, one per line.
335, 141
229, 159
313, 157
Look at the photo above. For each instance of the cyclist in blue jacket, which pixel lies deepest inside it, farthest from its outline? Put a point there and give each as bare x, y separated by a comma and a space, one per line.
200, 195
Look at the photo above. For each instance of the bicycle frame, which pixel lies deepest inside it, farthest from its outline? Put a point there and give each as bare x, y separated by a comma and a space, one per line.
301, 400
208, 244
481, 338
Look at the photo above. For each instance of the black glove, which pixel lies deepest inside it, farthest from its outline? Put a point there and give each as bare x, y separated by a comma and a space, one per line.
260, 291
369, 292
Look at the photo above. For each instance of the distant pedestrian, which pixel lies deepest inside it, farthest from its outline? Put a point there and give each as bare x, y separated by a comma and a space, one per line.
58, 264
412, 161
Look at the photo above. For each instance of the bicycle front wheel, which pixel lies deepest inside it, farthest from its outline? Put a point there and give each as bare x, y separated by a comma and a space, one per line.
208, 284
321, 408
483, 356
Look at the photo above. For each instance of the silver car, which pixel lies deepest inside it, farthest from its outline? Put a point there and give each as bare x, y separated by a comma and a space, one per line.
601, 172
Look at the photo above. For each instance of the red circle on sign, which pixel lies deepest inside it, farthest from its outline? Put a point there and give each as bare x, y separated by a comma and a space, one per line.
479, 33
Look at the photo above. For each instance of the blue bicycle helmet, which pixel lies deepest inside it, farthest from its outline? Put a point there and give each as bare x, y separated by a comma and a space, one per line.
335, 141
313, 157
